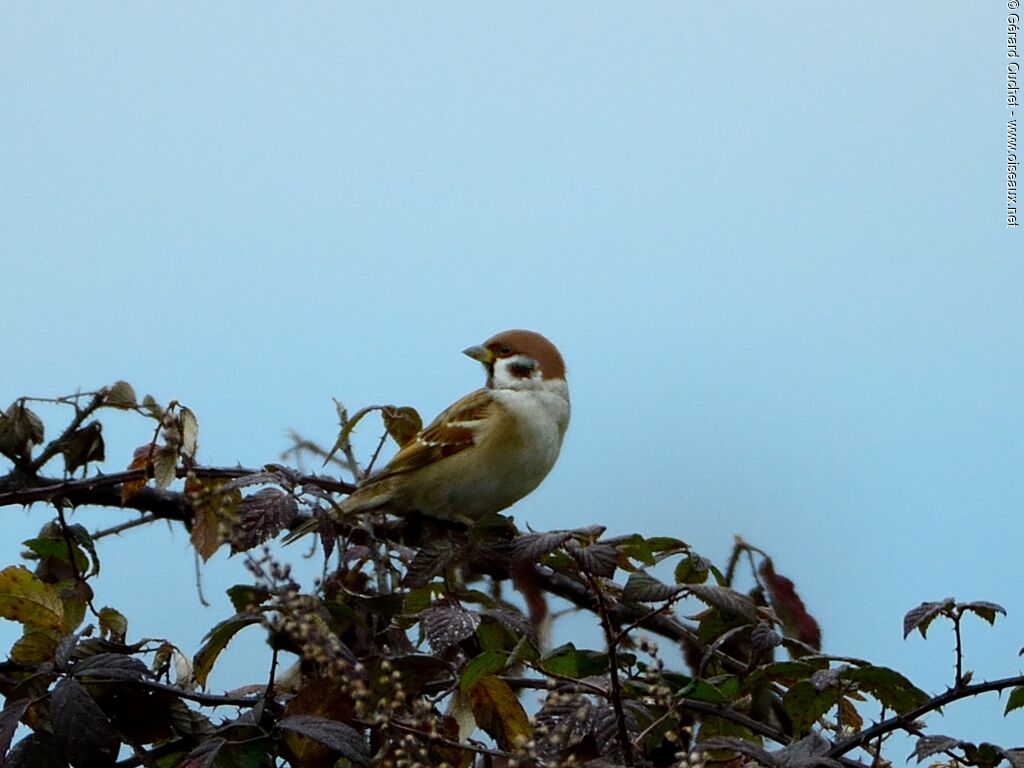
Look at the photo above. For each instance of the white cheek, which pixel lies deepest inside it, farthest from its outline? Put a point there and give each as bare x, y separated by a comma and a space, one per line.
504, 378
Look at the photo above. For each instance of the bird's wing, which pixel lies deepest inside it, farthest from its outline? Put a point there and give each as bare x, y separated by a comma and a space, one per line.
457, 428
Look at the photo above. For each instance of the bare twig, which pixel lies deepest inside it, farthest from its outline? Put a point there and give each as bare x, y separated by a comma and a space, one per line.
54, 446
122, 527
612, 641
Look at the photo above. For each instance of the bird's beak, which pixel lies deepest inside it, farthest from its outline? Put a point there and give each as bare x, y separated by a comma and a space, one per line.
479, 353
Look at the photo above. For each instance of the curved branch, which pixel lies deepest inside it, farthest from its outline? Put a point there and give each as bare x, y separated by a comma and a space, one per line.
105, 490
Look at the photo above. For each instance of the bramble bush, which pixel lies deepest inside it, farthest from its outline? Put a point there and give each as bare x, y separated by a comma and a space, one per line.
420, 642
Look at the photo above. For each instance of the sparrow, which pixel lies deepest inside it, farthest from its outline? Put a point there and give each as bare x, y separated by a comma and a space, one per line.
487, 450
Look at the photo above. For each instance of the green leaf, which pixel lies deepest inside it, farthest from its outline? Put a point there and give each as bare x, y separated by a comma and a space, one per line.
725, 599
984, 755
83, 538
705, 691
533, 546
888, 686
487, 663
636, 547
29, 601
46, 548
805, 704
692, 570
1015, 701
244, 597
600, 559
567, 661
983, 608
641, 587
216, 640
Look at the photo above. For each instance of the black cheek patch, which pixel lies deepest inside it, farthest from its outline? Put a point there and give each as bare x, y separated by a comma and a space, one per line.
521, 370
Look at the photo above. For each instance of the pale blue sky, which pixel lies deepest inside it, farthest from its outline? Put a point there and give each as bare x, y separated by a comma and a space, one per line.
769, 240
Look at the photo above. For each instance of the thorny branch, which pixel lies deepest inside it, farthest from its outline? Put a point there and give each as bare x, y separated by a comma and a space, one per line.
901, 722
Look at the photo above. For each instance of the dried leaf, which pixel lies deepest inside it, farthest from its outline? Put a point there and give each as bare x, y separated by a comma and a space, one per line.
20, 430
165, 466
498, 712
215, 511
120, 394
189, 432
790, 609
29, 601
113, 625
82, 446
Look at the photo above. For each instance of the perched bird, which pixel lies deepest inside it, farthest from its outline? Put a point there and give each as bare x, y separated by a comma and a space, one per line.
487, 450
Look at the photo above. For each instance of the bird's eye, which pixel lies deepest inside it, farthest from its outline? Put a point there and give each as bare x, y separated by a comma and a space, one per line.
505, 349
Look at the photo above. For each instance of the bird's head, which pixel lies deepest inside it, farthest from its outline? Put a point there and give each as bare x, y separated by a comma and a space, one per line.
519, 359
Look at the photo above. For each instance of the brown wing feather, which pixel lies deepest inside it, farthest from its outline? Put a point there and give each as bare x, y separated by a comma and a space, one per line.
445, 436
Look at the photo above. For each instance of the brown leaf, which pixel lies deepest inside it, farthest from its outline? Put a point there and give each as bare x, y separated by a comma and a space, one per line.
189, 432
498, 712
790, 608
215, 513
140, 460
20, 429
165, 466
82, 446
261, 516
120, 394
